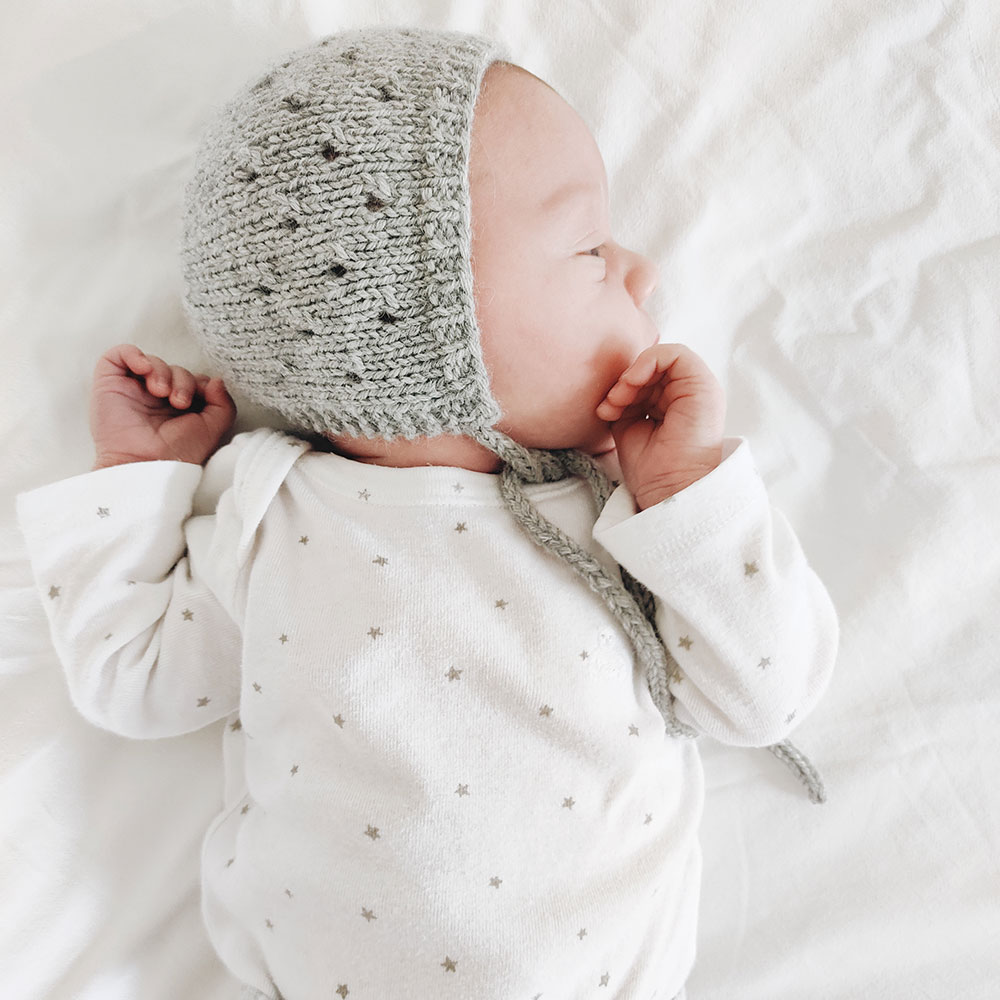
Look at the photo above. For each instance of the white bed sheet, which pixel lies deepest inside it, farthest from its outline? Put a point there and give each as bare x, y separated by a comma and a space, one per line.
819, 183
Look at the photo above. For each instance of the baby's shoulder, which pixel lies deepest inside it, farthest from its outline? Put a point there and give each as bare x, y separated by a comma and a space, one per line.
259, 446
254, 463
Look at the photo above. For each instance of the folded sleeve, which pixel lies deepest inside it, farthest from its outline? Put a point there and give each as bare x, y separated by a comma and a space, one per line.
135, 567
751, 626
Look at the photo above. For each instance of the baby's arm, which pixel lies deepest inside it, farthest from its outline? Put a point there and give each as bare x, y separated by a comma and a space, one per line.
752, 628
133, 565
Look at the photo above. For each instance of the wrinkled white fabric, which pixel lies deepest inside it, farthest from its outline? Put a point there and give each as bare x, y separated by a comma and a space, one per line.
444, 771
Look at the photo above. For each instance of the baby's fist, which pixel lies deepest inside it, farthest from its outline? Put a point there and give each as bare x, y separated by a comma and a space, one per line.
144, 410
666, 413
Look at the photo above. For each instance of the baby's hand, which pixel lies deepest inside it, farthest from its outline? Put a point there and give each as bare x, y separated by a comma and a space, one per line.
666, 412
144, 410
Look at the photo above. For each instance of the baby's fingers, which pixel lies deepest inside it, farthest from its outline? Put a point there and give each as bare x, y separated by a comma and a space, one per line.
219, 410
631, 387
181, 386
148, 367
172, 381
122, 359
163, 380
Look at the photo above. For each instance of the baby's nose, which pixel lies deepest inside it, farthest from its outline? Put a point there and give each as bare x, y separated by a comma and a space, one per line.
644, 276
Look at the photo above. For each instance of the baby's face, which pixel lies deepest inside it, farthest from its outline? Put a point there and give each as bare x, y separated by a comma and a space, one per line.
558, 301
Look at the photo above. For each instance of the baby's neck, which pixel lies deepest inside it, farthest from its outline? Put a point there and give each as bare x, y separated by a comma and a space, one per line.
448, 449
451, 450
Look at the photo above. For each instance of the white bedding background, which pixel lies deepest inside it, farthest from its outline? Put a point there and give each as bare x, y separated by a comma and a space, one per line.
820, 184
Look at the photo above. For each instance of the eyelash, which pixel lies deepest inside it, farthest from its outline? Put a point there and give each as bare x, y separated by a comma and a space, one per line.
593, 252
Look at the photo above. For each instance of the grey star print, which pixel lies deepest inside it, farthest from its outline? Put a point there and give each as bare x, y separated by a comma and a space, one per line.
484, 655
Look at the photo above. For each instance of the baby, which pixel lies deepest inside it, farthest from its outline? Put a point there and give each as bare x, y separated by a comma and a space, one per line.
462, 628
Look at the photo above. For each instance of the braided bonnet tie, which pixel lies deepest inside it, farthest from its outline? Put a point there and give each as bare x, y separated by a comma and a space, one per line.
633, 605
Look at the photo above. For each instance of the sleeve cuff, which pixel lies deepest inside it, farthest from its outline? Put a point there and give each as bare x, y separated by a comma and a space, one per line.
643, 540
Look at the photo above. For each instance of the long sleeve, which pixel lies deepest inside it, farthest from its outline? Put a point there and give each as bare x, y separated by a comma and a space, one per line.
134, 566
748, 621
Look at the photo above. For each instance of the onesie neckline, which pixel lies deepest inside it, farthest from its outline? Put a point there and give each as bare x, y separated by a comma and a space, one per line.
420, 484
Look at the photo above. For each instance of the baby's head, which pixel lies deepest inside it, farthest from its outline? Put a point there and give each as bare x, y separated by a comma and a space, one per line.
400, 240
558, 301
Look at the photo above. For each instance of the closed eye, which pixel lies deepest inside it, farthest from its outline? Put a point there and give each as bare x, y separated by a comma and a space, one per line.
594, 252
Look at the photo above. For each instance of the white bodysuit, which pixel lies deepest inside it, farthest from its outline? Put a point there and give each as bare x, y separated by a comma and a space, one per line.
445, 774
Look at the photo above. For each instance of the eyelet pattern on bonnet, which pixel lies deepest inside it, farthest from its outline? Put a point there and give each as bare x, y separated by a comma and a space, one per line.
327, 235
326, 249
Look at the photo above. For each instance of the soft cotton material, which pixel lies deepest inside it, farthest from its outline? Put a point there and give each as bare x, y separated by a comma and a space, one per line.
444, 774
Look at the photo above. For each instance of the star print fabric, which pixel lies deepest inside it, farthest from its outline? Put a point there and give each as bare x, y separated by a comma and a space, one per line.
445, 774
751, 626
149, 648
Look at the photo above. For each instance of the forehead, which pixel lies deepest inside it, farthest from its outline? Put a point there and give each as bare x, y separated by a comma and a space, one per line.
574, 198
530, 147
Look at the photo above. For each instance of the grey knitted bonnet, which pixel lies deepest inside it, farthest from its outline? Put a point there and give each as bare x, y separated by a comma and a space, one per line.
326, 259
